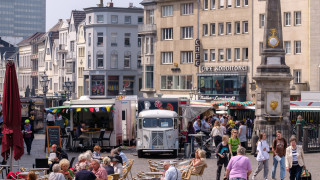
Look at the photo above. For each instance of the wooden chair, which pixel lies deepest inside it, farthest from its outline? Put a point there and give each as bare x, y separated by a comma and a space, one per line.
124, 175
200, 172
187, 176
110, 177
115, 176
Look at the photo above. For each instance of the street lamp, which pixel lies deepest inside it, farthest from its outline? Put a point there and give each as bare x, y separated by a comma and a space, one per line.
44, 83
68, 88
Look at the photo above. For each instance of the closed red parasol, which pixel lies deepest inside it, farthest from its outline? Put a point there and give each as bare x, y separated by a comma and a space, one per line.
11, 108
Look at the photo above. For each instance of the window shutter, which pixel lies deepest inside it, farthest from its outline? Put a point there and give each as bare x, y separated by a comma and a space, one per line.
221, 3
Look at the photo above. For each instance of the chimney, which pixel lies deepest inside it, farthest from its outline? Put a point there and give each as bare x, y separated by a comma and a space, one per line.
131, 5
110, 4
101, 4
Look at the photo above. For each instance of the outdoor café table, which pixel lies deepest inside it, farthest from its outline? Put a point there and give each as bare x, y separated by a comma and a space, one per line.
40, 169
153, 173
91, 133
192, 139
25, 174
7, 167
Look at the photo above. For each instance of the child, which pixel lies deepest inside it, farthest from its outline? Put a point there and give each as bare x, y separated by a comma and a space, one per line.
263, 156
234, 143
222, 154
96, 153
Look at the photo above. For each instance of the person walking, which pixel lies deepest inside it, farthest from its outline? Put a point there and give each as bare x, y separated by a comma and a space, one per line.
294, 159
222, 154
243, 134
234, 143
50, 119
28, 134
239, 167
279, 146
262, 157
217, 133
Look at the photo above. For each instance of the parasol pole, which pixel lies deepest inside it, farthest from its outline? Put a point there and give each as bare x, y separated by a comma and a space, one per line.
11, 161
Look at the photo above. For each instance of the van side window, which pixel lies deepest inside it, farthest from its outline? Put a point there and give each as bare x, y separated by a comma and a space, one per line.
140, 123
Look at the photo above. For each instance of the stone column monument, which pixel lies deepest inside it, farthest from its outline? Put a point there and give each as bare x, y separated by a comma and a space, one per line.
273, 78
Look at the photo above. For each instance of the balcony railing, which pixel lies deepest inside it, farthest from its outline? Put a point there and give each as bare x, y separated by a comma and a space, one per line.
147, 28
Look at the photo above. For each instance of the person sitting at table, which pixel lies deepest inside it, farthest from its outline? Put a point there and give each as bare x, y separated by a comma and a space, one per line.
56, 174
96, 153
84, 174
115, 153
60, 154
107, 166
80, 130
98, 170
122, 155
172, 173
32, 176
196, 164
68, 173
82, 158
117, 166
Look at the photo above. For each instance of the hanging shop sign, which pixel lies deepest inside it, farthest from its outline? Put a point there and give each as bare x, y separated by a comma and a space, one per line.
223, 68
197, 53
219, 98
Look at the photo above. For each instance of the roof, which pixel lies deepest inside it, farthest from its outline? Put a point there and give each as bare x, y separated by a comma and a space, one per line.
78, 17
31, 38
56, 27
157, 113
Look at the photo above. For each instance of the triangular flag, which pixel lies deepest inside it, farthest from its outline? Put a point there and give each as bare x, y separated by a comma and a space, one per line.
108, 108
97, 109
91, 109
103, 109
63, 110
85, 110
58, 110
78, 109
54, 111
67, 110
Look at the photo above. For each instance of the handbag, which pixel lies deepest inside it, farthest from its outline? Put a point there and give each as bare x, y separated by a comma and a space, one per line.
305, 175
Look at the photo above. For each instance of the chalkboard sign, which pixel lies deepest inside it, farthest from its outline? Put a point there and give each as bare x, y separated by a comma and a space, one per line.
53, 136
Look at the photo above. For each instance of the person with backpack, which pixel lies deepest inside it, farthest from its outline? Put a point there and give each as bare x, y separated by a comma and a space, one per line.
263, 156
279, 146
222, 154
234, 143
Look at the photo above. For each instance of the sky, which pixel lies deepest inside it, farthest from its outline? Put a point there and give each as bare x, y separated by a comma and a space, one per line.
61, 9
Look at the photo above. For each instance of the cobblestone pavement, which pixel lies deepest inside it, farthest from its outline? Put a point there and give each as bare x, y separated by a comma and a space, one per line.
140, 164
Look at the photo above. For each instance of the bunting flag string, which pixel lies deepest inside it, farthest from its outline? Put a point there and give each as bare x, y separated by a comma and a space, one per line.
91, 109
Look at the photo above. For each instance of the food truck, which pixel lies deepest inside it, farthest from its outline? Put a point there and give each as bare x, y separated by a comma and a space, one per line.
116, 117
157, 132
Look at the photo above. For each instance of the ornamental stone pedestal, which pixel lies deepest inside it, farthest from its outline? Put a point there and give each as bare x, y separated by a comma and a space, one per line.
273, 79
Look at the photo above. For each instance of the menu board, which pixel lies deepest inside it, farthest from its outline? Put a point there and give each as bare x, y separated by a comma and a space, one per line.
53, 136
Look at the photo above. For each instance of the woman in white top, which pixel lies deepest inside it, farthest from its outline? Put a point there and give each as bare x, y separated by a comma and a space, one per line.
217, 133
116, 166
56, 175
263, 156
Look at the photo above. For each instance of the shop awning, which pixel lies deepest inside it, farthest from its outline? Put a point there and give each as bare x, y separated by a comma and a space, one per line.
232, 103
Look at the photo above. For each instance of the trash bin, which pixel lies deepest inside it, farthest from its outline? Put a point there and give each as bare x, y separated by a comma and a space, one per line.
187, 150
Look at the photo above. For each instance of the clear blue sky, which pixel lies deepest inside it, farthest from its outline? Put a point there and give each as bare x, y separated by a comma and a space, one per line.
61, 9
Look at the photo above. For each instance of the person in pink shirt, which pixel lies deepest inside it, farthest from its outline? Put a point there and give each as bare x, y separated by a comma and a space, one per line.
98, 170
239, 167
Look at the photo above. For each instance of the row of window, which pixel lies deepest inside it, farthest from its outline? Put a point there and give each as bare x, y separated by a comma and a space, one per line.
113, 60
286, 20
223, 54
223, 29
113, 40
114, 19
287, 47
176, 82
188, 8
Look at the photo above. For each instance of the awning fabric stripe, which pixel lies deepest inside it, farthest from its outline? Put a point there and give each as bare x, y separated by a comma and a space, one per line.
232, 103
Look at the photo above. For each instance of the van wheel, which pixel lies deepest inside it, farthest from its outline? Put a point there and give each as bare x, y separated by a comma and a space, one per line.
140, 154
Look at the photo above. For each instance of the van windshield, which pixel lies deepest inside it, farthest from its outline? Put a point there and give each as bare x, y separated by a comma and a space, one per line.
157, 122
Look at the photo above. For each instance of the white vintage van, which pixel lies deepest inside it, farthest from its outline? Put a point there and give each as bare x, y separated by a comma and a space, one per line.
157, 132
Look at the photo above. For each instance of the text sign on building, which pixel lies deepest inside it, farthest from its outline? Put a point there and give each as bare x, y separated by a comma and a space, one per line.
223, 68
197, 53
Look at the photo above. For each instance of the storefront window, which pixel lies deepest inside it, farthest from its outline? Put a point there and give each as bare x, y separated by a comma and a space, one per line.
97, 86
223, 85
113, 85
128, 84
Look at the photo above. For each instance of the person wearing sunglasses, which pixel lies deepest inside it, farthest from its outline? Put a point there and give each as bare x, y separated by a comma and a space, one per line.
234, 143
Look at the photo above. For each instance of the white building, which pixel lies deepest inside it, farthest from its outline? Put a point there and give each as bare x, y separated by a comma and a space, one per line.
112, 51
